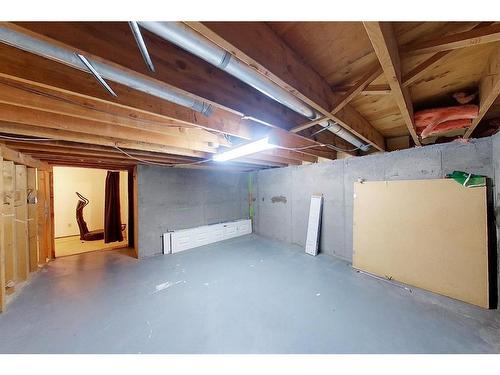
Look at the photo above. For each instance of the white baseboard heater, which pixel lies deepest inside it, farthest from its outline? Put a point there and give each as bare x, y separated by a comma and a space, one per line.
184, 239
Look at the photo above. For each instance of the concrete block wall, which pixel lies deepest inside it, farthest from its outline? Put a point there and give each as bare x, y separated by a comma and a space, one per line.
172, 199
283, 195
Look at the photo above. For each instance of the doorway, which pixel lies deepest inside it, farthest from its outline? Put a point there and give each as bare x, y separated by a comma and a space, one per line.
79, 194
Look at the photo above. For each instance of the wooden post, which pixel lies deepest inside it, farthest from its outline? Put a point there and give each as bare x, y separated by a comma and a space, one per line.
52, 245
135, 199
32, 219
43, 218
2, 248
9, 226
21, 220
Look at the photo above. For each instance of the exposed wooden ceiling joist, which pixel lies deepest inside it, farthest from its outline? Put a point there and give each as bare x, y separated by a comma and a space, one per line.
19, 158
489, 89
113, 42
257, 45
368, 90
222, 118
35, 117
40, 100
385, 45
79, 88
368, 78
473, 37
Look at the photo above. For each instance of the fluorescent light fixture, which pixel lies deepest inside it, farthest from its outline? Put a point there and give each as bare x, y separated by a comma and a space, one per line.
250, 148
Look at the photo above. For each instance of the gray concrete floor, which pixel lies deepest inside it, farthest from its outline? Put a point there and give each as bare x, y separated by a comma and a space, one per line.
245, 295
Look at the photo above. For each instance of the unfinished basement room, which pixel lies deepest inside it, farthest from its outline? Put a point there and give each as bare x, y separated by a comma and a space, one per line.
264, 187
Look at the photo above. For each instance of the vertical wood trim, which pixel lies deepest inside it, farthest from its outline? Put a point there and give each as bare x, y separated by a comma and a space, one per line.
32, 219
136, 210
3, 290
8, 225
21, 223
43, 234
51, 242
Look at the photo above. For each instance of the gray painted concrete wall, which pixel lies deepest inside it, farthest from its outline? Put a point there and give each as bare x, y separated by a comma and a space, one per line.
285, 217
183, 198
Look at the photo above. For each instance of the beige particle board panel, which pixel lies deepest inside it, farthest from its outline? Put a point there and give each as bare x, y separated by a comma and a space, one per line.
431, 234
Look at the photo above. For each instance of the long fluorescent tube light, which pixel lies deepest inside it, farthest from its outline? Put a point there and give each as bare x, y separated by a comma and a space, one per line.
250, 148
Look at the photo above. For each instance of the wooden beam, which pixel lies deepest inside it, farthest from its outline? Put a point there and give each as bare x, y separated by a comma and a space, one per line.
416, 73
21, 216
62, 86
19, 158
174, 66
32, 220
39, 118
489, 89
476, 36
369, 90
43, 218
26, 130
368, 78
413, 75
70, 150
385, 45
3, 286
77, 87
20, 95
257, 45
9, 227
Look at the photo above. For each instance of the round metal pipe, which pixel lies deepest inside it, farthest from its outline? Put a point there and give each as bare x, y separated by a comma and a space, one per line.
185, 37
107, 71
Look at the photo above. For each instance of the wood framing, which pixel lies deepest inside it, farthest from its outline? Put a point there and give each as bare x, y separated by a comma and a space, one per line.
18, 157
8, 213
43, 217
296, 77
368, 78
476, 36
489, 89
21, 223
32, 196
3, 287
386, 48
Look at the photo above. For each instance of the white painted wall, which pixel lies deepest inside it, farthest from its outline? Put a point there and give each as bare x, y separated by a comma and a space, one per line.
90, 183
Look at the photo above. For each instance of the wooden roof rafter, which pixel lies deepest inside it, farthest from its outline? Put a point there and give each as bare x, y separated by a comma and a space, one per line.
385, 45
64, 101
489, 89
295, 76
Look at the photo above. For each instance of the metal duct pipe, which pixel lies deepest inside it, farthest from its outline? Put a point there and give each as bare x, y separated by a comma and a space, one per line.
183, 36
107, 71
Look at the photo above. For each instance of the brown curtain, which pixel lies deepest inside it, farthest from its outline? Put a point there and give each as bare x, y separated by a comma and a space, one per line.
112, 214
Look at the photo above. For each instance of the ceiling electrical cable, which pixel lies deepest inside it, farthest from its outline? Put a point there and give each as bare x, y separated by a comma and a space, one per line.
10, 138
160, 164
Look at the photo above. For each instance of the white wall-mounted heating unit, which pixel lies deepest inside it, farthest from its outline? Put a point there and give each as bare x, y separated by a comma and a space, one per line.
184, 239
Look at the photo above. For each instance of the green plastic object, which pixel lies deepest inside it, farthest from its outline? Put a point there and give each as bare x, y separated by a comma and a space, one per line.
467, 179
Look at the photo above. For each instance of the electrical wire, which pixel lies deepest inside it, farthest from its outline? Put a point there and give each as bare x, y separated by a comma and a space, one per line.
160, 164
339, 149
319, 145
116, 147
25, 139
